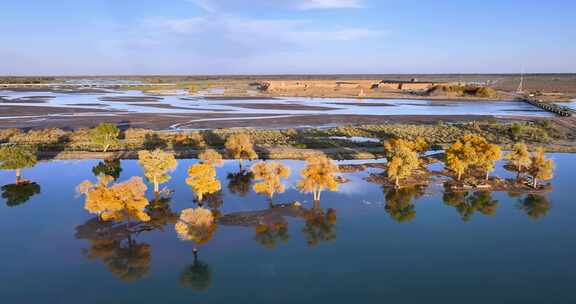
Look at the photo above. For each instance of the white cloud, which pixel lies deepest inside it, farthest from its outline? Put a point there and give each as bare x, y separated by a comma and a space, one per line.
257, 31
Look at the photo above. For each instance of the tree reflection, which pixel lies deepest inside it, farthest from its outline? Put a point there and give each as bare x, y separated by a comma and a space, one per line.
113, 244
399, 202
17, 194
467, 204
160, 212
270, 234
197, 276
213, 201
196, 225
536, 206
239, 183
109, 167
319, 225
128, 261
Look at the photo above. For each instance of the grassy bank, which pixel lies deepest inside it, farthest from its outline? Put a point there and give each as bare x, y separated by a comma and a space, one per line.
296, 143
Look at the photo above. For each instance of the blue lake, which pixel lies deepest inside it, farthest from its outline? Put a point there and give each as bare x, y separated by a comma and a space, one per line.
354, 246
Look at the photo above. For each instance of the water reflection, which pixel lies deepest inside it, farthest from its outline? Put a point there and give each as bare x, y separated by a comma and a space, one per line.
240, 182
400, 202
536, 206
109, 167
197, 276
122, 242
17, 194
467, 203
115, 246
319, 225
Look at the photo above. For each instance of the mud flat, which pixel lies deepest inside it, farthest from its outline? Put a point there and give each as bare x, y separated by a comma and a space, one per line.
280, 106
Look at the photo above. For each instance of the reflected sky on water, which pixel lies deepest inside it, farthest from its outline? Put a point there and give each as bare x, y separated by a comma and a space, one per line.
363, 243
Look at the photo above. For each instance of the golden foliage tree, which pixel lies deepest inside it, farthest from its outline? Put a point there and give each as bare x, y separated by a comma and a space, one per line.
239, 146
270, 177
157, 164
318, 175
472, 151
489, 154
211, 157
540, 168
519, 157
402, 159
17, 158
122, 201
202, 179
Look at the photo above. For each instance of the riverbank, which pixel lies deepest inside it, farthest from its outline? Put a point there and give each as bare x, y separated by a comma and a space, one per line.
363, 141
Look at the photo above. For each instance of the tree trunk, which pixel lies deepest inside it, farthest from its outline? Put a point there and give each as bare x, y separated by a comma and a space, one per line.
106, 148
397, 183
316, 205
156, 186
535, 183
459, 175
18, 176
487, 174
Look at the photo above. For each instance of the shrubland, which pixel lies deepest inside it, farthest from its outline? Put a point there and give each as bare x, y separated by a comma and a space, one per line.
438, 136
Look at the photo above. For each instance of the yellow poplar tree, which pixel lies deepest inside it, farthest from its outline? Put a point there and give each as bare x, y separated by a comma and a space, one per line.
122, 201
157, 164
402, 159
541, 168
270, 177
239, 146
472, 150
519, 157
489, 154
202, 179
318, 175
211, 157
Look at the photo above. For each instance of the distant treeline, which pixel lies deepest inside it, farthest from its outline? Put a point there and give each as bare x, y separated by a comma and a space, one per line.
25, 80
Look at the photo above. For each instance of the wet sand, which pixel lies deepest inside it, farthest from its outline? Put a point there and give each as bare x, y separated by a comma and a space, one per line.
279, 106
168, 106
86, 118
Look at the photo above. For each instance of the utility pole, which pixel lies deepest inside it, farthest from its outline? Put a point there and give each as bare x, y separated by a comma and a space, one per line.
520, 89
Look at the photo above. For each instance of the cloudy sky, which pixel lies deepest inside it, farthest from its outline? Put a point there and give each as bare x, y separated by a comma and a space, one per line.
286, 36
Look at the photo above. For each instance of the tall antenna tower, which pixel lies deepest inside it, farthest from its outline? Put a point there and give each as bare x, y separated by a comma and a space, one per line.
520, 89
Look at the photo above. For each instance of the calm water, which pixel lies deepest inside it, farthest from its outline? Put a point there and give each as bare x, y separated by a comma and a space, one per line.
507, 250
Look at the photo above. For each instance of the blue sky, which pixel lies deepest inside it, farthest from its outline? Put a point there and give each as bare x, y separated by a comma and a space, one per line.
286, 36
